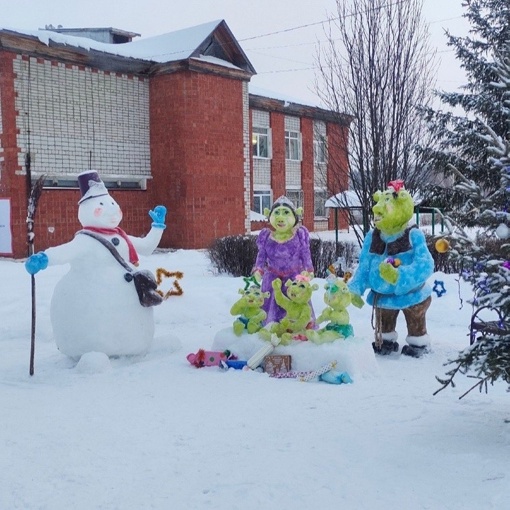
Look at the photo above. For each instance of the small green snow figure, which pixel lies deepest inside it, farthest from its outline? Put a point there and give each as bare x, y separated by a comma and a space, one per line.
338, 297
249, 309
298, 312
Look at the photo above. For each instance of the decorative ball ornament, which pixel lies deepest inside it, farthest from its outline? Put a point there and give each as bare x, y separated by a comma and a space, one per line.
395, 262
502, 231
442, 245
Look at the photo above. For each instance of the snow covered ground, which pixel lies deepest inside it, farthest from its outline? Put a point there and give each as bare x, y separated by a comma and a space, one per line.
157, 433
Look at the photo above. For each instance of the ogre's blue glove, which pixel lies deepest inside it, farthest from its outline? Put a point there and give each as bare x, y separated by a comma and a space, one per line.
36, 262
158, 215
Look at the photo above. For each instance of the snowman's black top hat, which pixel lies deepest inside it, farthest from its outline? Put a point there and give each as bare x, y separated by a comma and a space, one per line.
91, 185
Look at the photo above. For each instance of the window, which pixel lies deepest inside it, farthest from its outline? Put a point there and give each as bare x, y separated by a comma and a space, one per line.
293, 145
296, 196
261, 201
110, 183
319, 150
261, 142
319, 201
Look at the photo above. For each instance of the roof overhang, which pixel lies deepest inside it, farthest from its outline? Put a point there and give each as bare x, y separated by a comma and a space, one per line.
291, 108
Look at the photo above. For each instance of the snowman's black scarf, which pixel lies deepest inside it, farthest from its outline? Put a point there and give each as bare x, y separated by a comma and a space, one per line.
400, 245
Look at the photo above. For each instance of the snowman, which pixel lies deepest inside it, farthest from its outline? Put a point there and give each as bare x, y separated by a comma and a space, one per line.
93, 307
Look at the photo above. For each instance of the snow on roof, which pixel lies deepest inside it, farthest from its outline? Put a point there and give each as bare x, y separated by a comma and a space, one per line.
173, 46
343, 199
258, 91
216, 60
255, 216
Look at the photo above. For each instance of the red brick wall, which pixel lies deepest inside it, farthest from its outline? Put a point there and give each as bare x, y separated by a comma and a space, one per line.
197, 156
338, 165
56, 218
307, 171
277, 121
57, 215
259, 225
12, 184
197, 163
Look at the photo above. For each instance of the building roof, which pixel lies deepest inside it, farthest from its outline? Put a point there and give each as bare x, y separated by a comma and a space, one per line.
210, 47
213, 39
112, 30
289, 107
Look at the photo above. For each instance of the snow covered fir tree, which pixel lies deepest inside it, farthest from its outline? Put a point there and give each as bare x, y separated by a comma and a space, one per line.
473, 151
456, 127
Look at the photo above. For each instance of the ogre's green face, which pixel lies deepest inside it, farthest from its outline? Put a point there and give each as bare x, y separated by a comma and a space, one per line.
300, 291
282, 219
253, 296
338, 295
392, 211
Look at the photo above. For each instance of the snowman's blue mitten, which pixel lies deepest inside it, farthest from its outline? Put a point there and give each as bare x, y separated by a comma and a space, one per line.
36, 262
158, 215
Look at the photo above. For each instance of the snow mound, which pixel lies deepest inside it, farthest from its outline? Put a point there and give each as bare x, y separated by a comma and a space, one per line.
353, 355
93, 363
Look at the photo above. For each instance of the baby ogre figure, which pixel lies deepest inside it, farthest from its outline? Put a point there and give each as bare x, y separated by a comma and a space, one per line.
249, 309
337, 298
298, 312
395, 264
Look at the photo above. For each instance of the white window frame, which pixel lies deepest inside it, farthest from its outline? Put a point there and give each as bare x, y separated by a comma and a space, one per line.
320, 150
296, 196
293, 145
259, 202
319, 201
115, 183
259, 133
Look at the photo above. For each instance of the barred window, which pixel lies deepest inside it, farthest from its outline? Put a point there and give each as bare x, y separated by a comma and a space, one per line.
261, 200
293, 145
261, 142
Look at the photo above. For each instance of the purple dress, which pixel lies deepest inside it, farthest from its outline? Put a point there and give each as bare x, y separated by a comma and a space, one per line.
284, 260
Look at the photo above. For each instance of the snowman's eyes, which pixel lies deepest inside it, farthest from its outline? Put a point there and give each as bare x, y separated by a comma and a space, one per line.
101, 203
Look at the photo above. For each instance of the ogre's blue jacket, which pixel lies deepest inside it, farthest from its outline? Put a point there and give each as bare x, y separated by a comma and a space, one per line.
416, 266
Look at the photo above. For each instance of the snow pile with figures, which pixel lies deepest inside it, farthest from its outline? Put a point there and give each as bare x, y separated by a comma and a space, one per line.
275, 328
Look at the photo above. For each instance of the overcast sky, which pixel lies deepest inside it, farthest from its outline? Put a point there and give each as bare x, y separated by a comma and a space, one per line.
267, 30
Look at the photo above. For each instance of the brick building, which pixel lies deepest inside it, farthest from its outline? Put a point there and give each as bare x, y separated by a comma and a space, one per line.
164, 120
